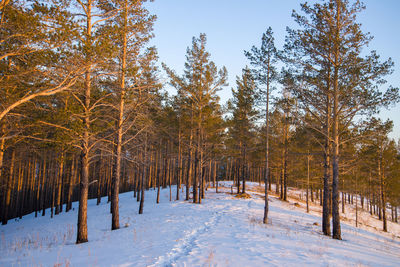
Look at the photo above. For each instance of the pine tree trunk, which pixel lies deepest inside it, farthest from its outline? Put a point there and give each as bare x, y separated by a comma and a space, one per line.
170, 172
196, 163
281, 182
244, 171
53, 186
343, 200
82, 232
180, 165
9, 169
141, 203
201, 176
362, 201
72, 182
215, 177
43, 191
59, 183
326, 229
158, 178
38, 174
3, 180
138, 183
392, 210
285, 160
308, 181
381, 175
19, 199
99, 169
277, 182
145, 160
266, 179
189, 171
336, 231
238, 166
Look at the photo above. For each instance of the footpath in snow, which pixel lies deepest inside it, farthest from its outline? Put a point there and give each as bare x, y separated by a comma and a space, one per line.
222, 231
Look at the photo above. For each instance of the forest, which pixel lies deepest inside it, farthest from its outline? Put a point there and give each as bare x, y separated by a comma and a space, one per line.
87, 111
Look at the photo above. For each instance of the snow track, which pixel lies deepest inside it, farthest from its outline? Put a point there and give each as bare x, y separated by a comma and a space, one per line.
188, 243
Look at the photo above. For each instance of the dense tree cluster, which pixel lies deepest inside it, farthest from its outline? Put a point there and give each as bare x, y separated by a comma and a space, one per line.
83, 113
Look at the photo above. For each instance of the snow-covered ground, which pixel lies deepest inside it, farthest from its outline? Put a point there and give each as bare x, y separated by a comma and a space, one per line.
222, 231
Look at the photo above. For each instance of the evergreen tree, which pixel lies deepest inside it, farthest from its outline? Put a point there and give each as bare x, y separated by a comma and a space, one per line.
264, 59
241, 123
199, 84
131, 29
326, 51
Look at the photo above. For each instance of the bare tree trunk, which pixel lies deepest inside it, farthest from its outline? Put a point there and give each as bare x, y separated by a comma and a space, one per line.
141, 203
170, 172
53, 185
356, 193
82, 234
3, 180
10, 171
72, 183
189, 169
59, 183
277, 182
326, 228
158, 177
143, 178
38, 172
285, 160
44, 186
308, 180
238, 165
19, 197
215, 176
180, 166
343, 200
99, 169
196, 163
2, 149
244, 171
281, 181
382, 191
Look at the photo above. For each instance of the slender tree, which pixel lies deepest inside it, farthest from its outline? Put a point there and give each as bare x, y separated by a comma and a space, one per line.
264, 59
241, 124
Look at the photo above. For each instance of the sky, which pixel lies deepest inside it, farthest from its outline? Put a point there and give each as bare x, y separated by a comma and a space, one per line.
233, 26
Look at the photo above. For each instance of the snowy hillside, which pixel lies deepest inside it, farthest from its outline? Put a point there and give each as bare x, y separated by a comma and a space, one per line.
222, 231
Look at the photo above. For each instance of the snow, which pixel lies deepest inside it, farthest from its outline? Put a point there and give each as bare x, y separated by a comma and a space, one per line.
222, 231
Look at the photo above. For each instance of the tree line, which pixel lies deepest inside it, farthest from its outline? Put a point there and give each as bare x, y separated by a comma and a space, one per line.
83, 113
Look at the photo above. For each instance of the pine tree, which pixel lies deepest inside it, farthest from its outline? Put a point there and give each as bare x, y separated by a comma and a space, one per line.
93, 51
264, 59
327, 53
131, 29
199, 84
241, 123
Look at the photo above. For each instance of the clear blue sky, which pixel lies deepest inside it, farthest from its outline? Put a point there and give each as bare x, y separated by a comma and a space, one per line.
235, 25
